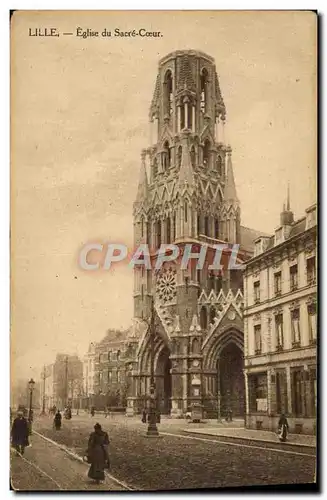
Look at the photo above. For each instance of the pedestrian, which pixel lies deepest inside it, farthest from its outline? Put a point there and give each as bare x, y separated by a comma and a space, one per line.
57, 420
106, 412
282, 428
92, 411
144, 416
20, 433
98, 453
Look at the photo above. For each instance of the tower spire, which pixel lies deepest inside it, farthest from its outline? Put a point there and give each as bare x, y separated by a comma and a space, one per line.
230, 189
288, 197
186, 176
142, 190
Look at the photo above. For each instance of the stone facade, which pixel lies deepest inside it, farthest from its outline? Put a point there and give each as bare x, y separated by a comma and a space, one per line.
187, 195
104, 371
280, 326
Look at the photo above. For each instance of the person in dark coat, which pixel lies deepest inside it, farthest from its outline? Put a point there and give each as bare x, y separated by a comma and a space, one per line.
144, 416
98, 453
92, 411
57, 420
20, 433
283, 428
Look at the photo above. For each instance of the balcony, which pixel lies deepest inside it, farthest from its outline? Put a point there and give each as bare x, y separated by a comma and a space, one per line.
258, 352
278, 293
257, 300
296, 344
294, 286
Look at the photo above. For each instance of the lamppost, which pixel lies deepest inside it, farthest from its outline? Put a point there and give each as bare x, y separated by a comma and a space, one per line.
152, 427
31, 385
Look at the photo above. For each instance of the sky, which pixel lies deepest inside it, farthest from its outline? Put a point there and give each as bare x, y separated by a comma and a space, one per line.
79, 119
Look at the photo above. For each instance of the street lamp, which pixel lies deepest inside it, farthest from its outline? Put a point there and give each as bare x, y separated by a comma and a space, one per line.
152, 427
31, 385
43, 398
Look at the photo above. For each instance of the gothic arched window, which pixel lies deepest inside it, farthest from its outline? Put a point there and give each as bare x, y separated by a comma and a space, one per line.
189, 116
118, 355
216, 228
206, 225
168, 230
192, 154
166, 156
203, 318
196, 346
204, 90
211, 281
179, 156
158, 228
206, 152
219, 283
219, 163
185, 211
168, 93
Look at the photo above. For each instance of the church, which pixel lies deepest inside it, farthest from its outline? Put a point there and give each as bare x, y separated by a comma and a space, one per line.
187, 195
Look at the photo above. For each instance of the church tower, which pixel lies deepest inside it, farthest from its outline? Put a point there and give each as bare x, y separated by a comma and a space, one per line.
186, 195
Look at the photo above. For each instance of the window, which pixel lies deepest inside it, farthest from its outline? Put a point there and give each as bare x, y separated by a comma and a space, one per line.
204, 90
293, 277
203, 318
189, 116
216, 228
174, 227
195, 346
118, 376
168, 230
258, 392
257, 339
179, 156
168, 93
295, 317
312, 316
297, 390
278, 283
199, 224
206, 152
192, 156
166, 156
118, 355
109, 376
279, 331
206, 225
281, 392
158, 225
185, 211
256, 292
313, 392
311, 271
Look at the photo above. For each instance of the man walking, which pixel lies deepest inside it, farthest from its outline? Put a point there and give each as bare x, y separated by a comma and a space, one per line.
19, 433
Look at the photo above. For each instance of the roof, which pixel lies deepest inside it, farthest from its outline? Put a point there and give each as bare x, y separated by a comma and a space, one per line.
248, 236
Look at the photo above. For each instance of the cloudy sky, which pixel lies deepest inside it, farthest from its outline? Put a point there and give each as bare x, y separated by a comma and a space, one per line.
79, 120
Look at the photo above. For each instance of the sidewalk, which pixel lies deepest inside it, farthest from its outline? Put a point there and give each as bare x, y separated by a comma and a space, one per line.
46, 466
253, 435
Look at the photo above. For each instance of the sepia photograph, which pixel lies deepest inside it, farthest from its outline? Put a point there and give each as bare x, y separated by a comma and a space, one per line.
164, 250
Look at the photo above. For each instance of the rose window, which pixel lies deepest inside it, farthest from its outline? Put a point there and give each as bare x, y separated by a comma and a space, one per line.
166, 286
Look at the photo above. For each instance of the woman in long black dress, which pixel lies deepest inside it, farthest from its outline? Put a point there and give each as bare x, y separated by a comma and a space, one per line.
98, 454
57, 421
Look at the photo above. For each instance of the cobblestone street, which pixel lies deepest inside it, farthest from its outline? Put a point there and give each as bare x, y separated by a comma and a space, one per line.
174, 461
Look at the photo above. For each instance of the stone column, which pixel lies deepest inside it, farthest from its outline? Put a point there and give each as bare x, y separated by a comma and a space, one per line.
246, 386
186, 114
193, 118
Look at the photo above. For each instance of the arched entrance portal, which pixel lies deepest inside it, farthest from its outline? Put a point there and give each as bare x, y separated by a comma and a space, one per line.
231, 380
163, 381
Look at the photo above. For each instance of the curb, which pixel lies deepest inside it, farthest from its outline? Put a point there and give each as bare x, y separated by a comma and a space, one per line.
80, 459
246, 438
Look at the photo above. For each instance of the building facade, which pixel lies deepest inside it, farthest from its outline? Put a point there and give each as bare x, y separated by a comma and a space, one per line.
280, 319
104, 371
187, 196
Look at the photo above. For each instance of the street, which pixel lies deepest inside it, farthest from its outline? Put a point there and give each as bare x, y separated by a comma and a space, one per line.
173, 461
